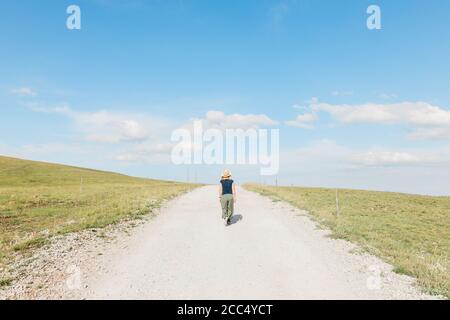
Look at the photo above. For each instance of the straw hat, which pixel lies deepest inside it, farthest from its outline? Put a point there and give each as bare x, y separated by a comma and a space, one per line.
226, 174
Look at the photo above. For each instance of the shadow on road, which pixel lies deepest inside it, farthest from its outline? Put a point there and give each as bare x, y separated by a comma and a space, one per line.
235, 219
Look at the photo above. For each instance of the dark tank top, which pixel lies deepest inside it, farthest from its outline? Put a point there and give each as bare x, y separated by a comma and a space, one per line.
227, 186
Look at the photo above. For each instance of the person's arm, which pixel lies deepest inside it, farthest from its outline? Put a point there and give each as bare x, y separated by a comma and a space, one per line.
234, 192
220, 190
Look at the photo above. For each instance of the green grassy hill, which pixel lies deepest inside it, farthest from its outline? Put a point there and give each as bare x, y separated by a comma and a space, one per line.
38, 200
411, 232
16, 172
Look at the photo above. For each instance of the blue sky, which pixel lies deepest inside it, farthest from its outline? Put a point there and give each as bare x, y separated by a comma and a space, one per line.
162, 63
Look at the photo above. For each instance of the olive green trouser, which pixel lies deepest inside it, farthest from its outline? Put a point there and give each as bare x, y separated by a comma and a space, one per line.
227, 203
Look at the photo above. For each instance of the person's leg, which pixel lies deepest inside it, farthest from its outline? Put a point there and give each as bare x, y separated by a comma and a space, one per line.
224, 204
230, 208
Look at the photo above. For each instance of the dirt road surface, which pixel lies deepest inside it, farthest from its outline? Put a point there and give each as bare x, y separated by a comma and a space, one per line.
271, 251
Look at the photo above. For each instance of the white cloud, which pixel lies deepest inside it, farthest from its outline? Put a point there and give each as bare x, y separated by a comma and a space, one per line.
220, 120
386, 158
24, 92
428, 121
415, 113
159, 152
326, 163
317, 156
300, 107
103, 126
425, 120
407, 157
304, 121
317, 151
328, 152
150, 135
110, 127
147, 153
440, 133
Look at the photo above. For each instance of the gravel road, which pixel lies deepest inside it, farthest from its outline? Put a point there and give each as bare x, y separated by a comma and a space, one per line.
271, 251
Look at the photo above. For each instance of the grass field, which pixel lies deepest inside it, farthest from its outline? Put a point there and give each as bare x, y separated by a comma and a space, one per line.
38, 200
411, 232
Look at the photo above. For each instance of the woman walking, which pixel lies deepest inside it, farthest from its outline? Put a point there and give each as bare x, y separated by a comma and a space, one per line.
227, 195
